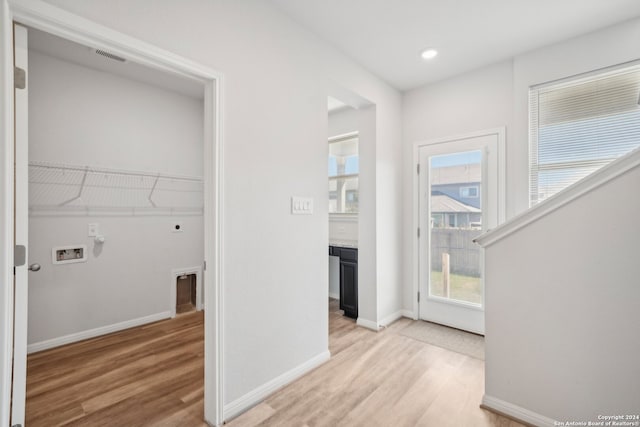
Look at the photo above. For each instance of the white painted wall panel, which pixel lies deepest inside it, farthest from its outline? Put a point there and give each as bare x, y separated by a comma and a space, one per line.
84, 116
561, 308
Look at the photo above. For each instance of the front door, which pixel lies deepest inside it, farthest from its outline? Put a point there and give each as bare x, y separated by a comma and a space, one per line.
458, 200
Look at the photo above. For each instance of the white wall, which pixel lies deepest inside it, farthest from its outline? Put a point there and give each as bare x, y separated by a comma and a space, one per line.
126, 278
562, 309
82, 116
369, 262
277, 77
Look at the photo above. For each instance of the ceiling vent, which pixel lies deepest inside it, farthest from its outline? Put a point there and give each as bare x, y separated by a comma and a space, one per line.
110, 55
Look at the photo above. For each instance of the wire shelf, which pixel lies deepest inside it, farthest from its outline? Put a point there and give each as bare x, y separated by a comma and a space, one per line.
59, 189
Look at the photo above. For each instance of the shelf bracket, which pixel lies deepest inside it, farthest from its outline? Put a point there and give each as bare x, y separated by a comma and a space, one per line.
152, 190
84, 179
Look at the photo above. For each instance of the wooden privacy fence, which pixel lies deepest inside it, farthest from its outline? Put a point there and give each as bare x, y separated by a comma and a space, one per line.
464, 255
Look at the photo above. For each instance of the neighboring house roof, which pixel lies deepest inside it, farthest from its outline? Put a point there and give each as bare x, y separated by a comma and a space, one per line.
441, 203
462, 174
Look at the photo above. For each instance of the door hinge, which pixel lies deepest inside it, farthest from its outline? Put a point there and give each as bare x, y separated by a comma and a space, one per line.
19, 78
17, 425
418, 296
418, 232
418, 169
205, 266
19, 255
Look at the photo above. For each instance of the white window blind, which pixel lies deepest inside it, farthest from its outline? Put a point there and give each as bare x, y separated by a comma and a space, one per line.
580, 125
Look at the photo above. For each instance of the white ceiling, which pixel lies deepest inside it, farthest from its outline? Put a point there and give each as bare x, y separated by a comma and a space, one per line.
60, 48
386, 37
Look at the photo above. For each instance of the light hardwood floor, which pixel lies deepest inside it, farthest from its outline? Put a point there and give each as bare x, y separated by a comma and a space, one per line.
380, 379
149, 375
153, 375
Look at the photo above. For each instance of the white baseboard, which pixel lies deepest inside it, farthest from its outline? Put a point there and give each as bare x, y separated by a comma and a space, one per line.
517, 412
334, 296
369, 324
91, 333
391, 318
409, 314
257, 395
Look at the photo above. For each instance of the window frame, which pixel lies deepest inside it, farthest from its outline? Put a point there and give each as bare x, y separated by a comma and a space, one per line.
343, 138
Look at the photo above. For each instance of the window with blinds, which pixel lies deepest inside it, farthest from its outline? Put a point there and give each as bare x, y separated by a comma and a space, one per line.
579, 125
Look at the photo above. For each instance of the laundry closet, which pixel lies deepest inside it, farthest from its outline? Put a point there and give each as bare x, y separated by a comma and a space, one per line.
115, 193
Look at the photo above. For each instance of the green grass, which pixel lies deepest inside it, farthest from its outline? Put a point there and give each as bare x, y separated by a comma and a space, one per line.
462, 288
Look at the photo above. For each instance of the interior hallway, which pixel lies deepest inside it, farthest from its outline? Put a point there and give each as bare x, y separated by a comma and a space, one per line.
153, 375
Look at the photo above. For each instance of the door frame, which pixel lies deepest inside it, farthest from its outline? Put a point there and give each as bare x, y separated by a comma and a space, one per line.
500, 133
48, 18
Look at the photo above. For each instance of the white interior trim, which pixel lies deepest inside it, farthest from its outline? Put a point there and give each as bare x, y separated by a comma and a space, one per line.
6, 212
177, 272
96, 332
500, 132
600, 177
369, 324
51, 19
386, 321
258, 394
409, 314
521, 414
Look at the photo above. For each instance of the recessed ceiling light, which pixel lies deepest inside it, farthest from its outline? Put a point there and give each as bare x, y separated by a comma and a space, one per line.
429, 53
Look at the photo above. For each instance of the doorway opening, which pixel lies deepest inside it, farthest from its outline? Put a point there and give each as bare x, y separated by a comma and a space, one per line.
120, 46
115, 168
344, 196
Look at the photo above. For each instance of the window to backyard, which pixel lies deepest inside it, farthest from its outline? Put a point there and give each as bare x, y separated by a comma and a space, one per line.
579, 125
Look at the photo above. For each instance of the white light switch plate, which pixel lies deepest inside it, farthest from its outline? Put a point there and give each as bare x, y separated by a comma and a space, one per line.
301, 205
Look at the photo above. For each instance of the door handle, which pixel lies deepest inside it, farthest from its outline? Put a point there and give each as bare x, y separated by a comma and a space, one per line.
34, 267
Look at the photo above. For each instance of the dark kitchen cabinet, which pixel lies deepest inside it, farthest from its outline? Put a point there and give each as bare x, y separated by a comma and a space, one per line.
348, 280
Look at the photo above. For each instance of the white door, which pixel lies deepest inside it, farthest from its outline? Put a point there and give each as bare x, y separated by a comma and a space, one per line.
21, 231
459, 198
